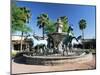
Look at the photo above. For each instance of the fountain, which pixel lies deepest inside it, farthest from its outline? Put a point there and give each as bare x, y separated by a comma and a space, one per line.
56, 57
58, 36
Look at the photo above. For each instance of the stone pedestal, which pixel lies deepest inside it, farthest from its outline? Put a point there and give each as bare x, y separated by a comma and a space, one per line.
59, 26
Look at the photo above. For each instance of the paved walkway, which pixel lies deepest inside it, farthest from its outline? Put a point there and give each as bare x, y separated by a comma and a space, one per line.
23, 68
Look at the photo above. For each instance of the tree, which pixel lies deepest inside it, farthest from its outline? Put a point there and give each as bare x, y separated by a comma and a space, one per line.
64, 20
42, 21
82, 26
25, 16
20, 18
50, 28
24, 29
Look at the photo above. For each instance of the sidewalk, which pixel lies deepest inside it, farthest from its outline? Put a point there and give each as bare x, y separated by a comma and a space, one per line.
23, 68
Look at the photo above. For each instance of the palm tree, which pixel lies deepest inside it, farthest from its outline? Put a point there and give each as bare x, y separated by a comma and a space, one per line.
64, 20
25, 16
43, 20
20, 16
82, 26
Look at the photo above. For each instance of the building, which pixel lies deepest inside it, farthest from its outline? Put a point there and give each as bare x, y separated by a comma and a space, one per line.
16, 43
87, 44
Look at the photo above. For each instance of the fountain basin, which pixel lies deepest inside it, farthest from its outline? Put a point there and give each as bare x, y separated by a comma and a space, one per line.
54, 60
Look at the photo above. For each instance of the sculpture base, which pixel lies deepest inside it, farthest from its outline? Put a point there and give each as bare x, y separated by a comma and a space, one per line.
55, 60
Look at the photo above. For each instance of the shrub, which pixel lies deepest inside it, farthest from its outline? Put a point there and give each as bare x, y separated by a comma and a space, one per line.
13, 53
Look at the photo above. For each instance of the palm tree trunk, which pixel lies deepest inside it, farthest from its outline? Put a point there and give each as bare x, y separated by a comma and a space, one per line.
21, 41
83, 34
83, 38
43, 33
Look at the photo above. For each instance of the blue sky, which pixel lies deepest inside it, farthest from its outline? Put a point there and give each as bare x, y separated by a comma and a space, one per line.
73, 12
